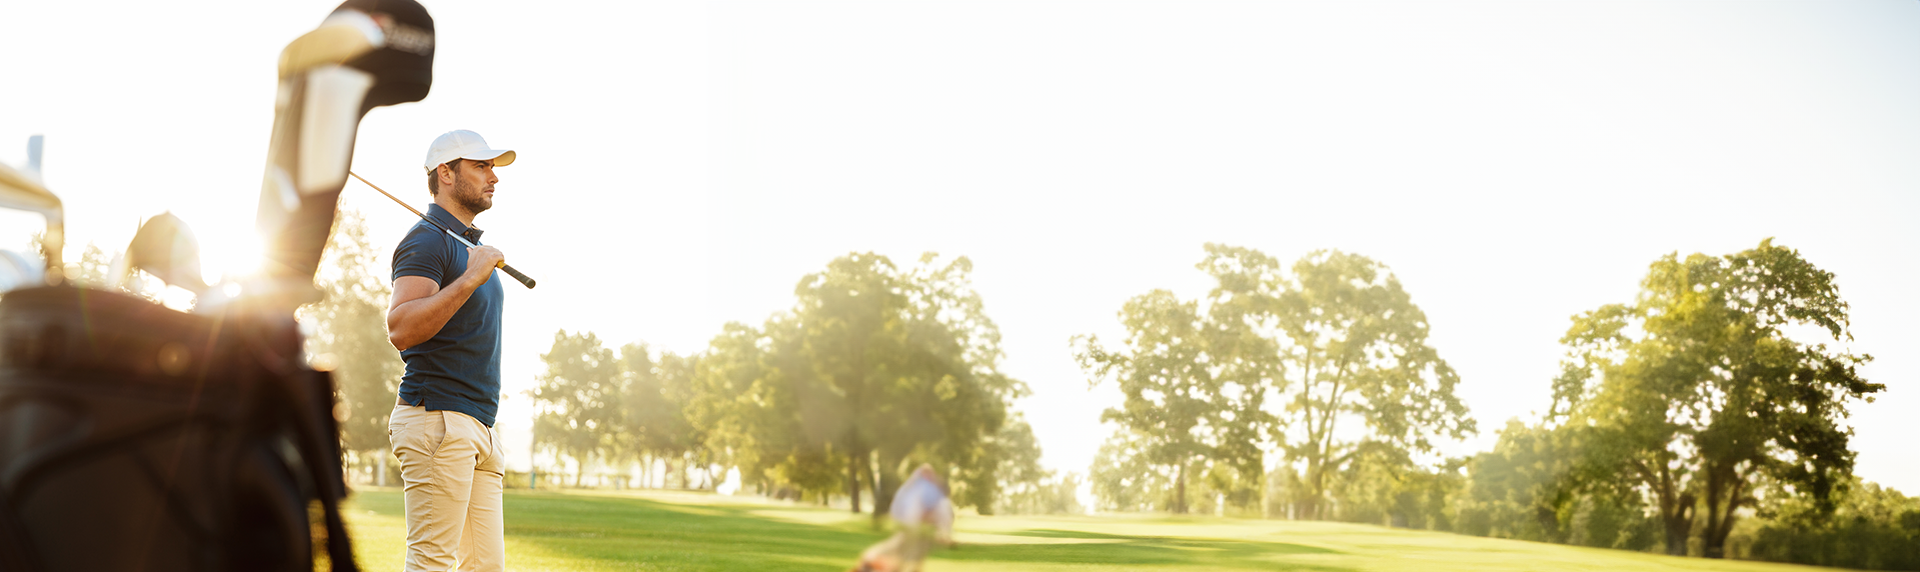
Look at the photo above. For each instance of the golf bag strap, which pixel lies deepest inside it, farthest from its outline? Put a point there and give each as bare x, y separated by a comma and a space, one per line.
319, 437
327, 477
15, 552
339, 550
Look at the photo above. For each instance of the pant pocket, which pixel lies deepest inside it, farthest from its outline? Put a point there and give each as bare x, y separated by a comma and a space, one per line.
458, 454
416, 433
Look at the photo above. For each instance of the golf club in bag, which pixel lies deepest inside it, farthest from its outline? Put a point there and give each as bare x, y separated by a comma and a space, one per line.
137, 437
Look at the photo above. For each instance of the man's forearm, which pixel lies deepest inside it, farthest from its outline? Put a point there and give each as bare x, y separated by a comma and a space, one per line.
415, 321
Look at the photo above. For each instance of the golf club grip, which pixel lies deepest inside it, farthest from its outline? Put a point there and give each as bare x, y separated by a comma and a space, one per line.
517, 275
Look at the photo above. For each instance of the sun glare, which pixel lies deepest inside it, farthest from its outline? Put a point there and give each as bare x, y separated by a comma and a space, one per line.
230, 259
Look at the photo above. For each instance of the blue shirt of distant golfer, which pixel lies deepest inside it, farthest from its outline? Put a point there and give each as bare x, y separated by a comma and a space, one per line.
459, 368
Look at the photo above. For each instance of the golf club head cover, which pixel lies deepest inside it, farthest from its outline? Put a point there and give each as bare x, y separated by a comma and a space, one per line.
404, 63
166, 248
366, 54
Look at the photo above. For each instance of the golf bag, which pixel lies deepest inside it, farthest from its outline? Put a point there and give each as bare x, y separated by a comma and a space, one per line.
135, 437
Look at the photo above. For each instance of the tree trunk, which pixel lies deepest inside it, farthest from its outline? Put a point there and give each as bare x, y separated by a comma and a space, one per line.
1720, 522
380, 465
1676, 509
884, 485
853, 481
1714, 546
1678, 518
1548, 520
1677, 537
1266, 490
1311, 497
1180, 490
686, 480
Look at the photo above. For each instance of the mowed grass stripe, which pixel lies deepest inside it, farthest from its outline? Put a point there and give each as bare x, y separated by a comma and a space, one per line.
607, 530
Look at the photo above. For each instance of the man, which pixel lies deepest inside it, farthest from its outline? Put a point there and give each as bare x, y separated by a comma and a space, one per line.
445, 320
924, 516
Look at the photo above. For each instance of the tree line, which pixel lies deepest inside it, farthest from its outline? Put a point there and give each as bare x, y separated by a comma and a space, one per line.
1695, 419
1686, 421
875, 369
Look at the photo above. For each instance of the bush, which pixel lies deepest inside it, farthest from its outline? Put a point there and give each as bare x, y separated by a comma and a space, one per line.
1871, 528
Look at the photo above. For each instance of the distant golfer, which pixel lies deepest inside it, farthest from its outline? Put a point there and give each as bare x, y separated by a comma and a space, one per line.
923, 517
445, 320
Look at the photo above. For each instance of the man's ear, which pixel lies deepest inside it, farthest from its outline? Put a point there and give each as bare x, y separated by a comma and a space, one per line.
446, 175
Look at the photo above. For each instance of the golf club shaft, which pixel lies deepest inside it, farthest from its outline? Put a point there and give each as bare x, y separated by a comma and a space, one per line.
463, 240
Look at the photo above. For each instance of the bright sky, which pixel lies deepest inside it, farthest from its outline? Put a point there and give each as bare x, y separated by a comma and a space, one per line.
683, 164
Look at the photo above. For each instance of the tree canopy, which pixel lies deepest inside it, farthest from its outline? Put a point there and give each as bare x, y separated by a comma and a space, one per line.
577, 400
1326, 359
1349, 346
1699, 390
1172, 400
873, 370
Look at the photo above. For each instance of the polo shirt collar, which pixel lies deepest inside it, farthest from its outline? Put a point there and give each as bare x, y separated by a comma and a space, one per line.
447, 219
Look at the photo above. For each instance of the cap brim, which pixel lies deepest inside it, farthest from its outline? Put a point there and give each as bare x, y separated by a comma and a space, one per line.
500, 158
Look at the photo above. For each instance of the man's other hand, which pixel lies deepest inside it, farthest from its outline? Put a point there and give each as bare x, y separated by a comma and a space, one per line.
482, 260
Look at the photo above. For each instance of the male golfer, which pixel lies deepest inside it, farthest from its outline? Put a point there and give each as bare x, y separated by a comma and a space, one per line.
923, 515
445, 320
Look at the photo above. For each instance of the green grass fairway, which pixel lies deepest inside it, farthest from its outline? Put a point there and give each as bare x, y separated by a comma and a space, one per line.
569, 531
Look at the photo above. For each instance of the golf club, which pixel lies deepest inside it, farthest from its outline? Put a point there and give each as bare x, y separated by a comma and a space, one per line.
503, 266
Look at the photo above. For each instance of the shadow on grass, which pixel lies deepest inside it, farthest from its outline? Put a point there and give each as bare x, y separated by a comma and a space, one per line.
603, 532
575, 532
673, 536
1140, 551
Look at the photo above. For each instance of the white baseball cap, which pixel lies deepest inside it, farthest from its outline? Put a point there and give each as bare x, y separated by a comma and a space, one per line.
464, 144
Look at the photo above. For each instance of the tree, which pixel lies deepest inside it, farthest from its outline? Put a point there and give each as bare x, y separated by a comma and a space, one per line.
576, 405
1170, 394
1351, 348
1533, 486
1519, 489
899, 367
1386, 486
1014, 455
1697, 391
1868, 527
872, 371
1124, 481
1058, 494
672, 434
350, 337
654, 394
747, 402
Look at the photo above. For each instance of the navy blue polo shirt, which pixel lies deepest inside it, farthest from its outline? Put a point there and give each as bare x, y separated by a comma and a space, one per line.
459, 368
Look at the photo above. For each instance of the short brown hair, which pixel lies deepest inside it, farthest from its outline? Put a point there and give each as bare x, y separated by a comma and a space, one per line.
433, 176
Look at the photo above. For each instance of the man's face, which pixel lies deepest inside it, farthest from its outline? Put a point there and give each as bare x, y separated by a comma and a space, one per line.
473, 185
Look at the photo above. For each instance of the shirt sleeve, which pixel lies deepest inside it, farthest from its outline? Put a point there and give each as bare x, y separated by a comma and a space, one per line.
421, 253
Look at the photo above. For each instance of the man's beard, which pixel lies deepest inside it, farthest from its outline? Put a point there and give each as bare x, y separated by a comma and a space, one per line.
470, 197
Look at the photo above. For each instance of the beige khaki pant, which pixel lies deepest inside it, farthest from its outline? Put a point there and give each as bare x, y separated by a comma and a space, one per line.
452, 468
